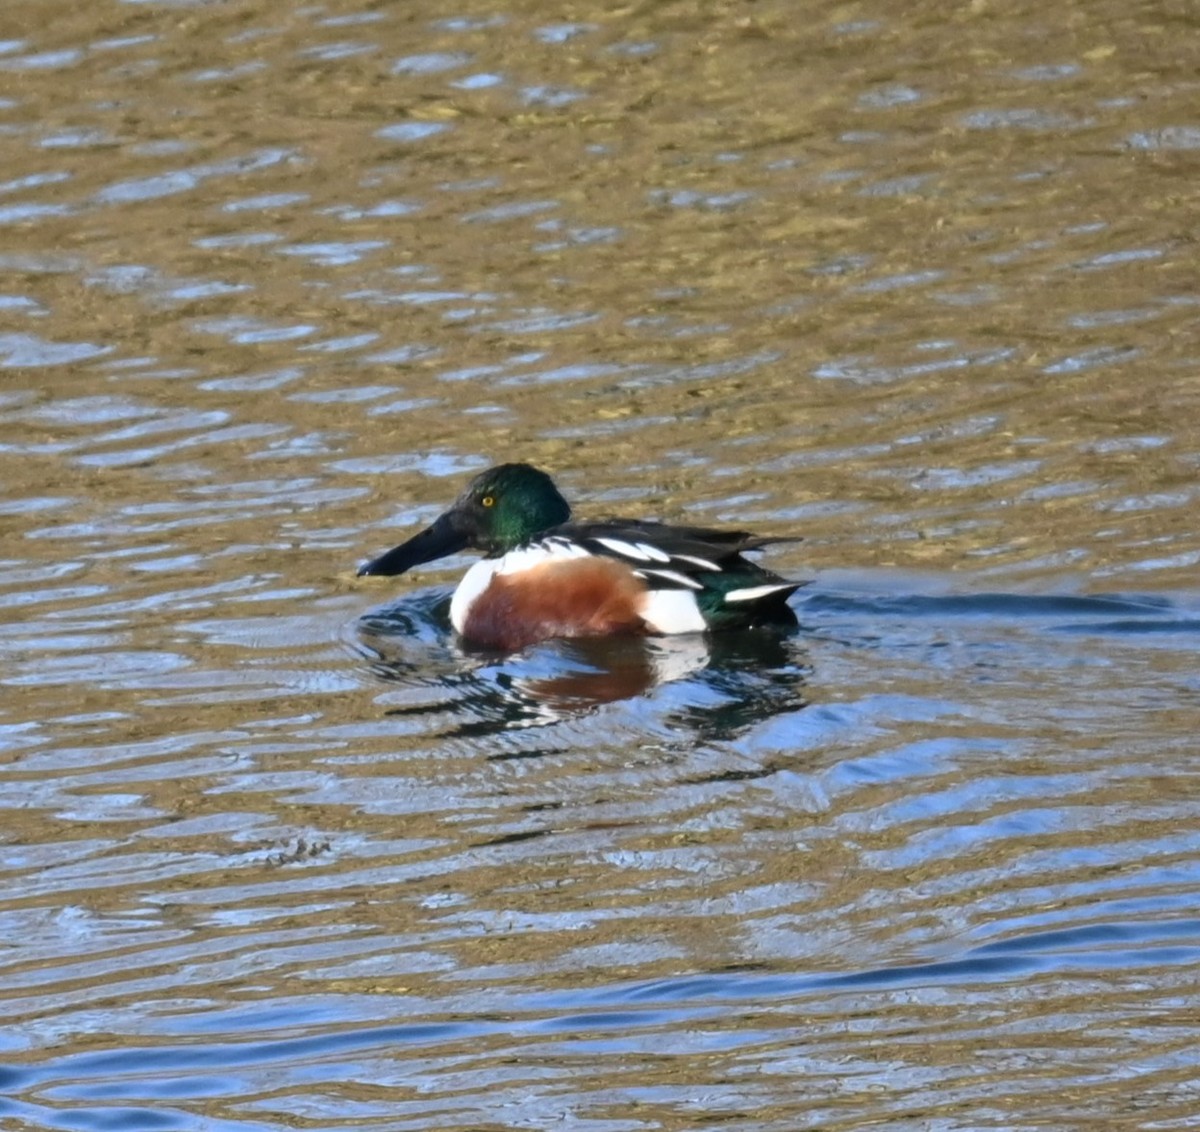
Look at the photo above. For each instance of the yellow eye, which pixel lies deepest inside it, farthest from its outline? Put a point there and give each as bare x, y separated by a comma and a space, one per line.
488, 501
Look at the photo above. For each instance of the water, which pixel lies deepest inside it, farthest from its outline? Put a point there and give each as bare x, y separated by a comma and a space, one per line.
279, 852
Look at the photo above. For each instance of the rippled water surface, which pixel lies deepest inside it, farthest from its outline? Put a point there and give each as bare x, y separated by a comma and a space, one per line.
915, 281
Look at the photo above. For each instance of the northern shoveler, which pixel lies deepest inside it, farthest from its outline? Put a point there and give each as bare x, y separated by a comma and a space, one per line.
544, 576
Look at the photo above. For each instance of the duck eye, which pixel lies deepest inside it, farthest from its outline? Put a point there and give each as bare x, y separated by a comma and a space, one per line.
488, 501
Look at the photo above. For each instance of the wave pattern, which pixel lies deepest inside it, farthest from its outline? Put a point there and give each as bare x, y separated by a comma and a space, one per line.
278, 852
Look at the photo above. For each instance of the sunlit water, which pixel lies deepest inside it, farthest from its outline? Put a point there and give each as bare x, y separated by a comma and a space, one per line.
916, 283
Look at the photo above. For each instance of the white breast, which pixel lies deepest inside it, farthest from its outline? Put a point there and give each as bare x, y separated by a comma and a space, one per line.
474, 582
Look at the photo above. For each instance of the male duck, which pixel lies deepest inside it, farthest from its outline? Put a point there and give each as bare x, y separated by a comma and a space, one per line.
544, 576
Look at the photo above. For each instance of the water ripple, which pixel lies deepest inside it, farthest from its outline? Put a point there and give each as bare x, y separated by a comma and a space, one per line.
279, 850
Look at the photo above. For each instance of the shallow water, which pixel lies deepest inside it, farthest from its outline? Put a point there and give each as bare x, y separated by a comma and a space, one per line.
914, 282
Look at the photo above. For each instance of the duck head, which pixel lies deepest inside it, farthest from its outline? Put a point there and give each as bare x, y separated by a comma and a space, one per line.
500, 509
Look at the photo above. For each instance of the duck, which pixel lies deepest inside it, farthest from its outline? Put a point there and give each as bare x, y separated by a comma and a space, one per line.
545, 576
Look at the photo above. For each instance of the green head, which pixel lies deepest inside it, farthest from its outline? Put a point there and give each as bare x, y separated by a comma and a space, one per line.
500, 509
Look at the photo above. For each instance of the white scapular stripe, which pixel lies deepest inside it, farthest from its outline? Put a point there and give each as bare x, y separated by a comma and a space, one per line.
671, 611
753, 593
703, 563
626, 549
653, 552
673, 576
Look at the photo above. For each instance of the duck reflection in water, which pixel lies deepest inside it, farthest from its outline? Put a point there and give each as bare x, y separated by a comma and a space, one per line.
722, 683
